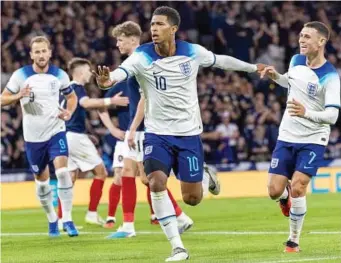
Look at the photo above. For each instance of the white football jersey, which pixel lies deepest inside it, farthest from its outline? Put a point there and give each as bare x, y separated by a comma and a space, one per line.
169, 85
316, 89
40, 110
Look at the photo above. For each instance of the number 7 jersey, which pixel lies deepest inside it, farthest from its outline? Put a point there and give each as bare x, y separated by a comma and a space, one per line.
169, 85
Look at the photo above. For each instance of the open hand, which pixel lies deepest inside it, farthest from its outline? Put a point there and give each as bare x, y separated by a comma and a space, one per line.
270, 72
103, 77
131, 140
295, 108
64, 114
119, 101
25, 92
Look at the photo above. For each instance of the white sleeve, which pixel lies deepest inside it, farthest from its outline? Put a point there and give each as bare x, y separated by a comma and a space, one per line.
130, 67
205, 58
332, 91
14, 82
282, 80
231, 63
328, 116
64, 79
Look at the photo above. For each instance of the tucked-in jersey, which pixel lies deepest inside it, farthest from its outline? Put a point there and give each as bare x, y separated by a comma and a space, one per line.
40, 109
131, 89
316, 89
77, 121
169, 85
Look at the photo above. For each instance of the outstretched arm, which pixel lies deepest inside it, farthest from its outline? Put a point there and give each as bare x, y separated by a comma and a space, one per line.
92, 103
231, 63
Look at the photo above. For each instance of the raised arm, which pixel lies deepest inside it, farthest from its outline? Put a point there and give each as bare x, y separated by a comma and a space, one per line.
106, 79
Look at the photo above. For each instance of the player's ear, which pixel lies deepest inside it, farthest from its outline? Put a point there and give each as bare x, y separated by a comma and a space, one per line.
322, 41
174, 29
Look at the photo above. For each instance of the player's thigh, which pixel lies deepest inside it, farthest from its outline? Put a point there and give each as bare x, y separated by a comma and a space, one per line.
283, 160
309, 158
158, 148
58, 150
190, 160
37, 156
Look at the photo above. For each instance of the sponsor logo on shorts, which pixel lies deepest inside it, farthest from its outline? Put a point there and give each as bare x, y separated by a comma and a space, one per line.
193, 175
148, 150
274, 163
35, 168
120, 158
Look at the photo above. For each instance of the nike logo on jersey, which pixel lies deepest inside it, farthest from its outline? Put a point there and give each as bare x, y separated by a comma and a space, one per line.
154, 73
192, 175
307, 167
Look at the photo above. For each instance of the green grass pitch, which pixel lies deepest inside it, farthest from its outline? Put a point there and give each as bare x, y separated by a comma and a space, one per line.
225, 230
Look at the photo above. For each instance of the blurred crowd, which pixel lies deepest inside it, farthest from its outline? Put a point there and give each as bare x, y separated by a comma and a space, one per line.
241, 114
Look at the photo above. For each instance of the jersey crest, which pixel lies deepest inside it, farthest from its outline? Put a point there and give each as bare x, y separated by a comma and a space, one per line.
274, 163
186, 68
311, 89
54, 86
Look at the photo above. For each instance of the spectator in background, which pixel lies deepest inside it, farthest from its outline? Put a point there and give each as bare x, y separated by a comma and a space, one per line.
260, 150
252, 31
229, 134
334, 145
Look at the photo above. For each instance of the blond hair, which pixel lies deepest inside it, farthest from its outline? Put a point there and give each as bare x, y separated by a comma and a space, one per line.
40, 39
128, 29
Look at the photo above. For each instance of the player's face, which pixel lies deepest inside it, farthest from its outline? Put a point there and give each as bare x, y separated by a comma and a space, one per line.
125, 44
86, 71
161, 29
310, 41
40, 54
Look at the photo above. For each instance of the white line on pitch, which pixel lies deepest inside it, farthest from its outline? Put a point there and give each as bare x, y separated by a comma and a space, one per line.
191, 233
301, 260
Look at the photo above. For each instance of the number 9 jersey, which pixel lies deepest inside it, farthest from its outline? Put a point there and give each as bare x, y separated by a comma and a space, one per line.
40, 109
169, 85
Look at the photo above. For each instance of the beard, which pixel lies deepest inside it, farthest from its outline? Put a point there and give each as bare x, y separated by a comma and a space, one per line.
42, 64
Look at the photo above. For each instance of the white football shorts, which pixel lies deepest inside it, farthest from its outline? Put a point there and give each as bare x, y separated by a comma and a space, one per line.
83, 154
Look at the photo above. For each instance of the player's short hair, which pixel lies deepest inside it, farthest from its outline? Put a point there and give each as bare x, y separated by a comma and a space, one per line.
173, 16
76, 62
320, 27
40, 39
128, 29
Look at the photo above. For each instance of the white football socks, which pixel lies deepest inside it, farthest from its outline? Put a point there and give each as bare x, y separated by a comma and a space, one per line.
165, 214
297, 213
65, 192
44, 194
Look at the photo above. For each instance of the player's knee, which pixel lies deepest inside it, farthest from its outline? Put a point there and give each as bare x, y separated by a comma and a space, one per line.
64, 177
128, 171
157, 182
191, 199
297, 189
274, 191
100, 172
